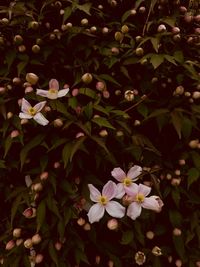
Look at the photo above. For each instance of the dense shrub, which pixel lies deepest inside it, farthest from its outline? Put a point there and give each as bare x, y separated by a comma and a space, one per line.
132, 68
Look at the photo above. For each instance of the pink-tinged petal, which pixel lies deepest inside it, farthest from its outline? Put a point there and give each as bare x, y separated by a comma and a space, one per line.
63, 92
150, 203
109, 190
132, 190
134, 172
94, 193
160, 202
118, 174
115, 209
40, 119
134, 210
25, 116
96, 212
120, 191
145, 190
53, 84
25, 105
42, 92
39, 106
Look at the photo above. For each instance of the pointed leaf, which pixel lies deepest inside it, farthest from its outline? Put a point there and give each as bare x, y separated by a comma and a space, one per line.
41, 214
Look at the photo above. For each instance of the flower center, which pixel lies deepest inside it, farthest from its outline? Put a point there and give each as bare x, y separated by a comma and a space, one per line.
32, 111
53, 91
127, 181
103, 200
139, 197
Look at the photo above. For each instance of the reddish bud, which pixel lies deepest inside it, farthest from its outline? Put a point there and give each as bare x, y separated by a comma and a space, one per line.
10, 244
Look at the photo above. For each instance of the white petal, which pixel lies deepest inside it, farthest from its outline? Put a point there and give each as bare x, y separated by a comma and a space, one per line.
151, 203
109, 190
53, 84
39, 106
115, 209
39, 118
120, 191
134, 210
145, 190
134, 172
94, 193
25, 105
25, 116
28, 180
52, 95
63, 92
96, 212
42, 92
118, 174
132, 190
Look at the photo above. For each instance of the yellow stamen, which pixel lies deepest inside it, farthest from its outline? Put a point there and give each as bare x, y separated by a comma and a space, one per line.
127, 181
32, 111
103, 200
53, 91
140, 197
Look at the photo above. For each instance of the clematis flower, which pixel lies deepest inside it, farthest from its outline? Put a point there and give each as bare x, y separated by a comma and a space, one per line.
29, 112
104, 203
138, 194
53, 92
126, 180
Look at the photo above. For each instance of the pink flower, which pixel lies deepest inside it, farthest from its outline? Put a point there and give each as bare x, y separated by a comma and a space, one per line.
29, 112
138, 194
103, 202
53, 92
126, 180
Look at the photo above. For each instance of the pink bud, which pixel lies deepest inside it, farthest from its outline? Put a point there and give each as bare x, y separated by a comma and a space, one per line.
2, 90
19, 242
112, 224
44, 176
177, 232
56, 165
97, 259
24, 121
75, 91
17, 232
19, 102
29, 212
80, 134
58, 123
100, 86
37, 187
161, 28
81, 221
58, 246
9, 115
87, 227
36, 239
14, 134
39, 258
10, 244
106, 94
28, 89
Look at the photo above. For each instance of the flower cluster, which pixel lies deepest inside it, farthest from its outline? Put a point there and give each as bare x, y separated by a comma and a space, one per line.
29, 112
135, 196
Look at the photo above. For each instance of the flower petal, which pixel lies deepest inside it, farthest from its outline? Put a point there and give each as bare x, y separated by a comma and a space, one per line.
25, 105
134, 172
53, 84
39, 106
134, 210
109, 190
120, 191
63, 92
96, 212
25, 116
42, 92
39, 118
132, 190
94, 193
118, 174
160, 202
145, 190
151, 203
115, 209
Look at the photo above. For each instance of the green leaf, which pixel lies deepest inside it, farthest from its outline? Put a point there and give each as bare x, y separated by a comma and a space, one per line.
88, 92
67, 14
41, 214
66, 153
77, 144
155, 42
171, 59
193, 176
8, 143
178, 56
179, 246
175, 218
157, 113
125, 15
196, 159
103, 122
156, 60
101, 109
10, 57
52, 253
177, 119
169, 20
58, 143
85, 8
36, 141
80, 256
127, 237
20, 67
2, 164
15, 206
107, 78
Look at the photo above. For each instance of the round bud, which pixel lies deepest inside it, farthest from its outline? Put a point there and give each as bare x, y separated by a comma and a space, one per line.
129, 95
124, 29
32, 78
57, 123
97, 259
36, 239
139, 51
81, 221
58, 246
10, 244
115, 51
18, 39
156, 251
69, 25
16, 81
36, 48
9, 115
84, 22
150, 235
138, 38
176, 181
87, 78
196, 95
177, 232
28, 243
93, 29
188, 18
106, 94
112, 224
2, 90
80, 134
44, 176
161, 28
179, 90
119, 36
142, 10
133, 12
103, 133
22, 48
14, 134
56, 165
87, 227
105, 30
5, 21
178, 263
19, 242
193, 143
39, 258
100, 86
28, 89
183, 9
33, 25
37, 187
177, 37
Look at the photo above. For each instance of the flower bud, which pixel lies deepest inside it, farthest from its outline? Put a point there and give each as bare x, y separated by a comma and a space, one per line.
10, 244
140, 258
178, 263
35, 48
84, 22
56, 165
183, 9
29, 213
32, 78
119, 133
81, 221
103, 133
87, 78
150, 235
9, 115
124, 29
105, 30
106, 94
57, 123
119, 36
177, 232
179, 90
24, 121
181, 162
115, 51
193, 143
156, 251
2, 90
16, 80
19, 242
87, 227
75, 92
177, 172
112, 224
129, 95
17, 232
21, 48
44, 176
137, 123
33, 25
28, 89
139, 51
28, 243
18, 39
39, 258
93, 29
14, 134
100, 86
97, 259
175, 30
36, 239
196, 95
161, 28
37, 187
110, 263
80, 134
176, 181
58, 246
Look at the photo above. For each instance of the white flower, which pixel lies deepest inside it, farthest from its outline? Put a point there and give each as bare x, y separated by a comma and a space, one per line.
53, 92
138, 194
126, 180
29, 112
103, 202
